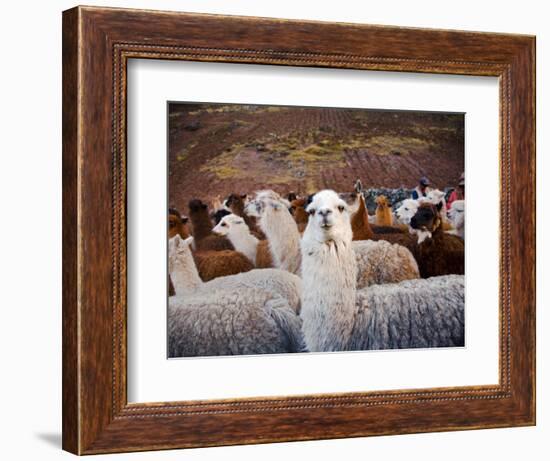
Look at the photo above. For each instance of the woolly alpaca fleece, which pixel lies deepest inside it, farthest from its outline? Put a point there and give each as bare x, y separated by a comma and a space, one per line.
337, 317
232, 315
231, 322
187, 281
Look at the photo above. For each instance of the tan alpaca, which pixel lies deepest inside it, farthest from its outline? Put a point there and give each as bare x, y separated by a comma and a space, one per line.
383, 211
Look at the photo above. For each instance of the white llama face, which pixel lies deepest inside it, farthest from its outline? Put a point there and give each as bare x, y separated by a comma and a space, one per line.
456, 213
228, 224
329, 217
177, 249
407, 210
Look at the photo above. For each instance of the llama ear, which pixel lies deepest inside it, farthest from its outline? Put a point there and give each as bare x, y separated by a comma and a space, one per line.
173, 243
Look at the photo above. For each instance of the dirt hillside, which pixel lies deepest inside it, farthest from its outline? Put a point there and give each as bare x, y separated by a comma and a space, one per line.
219, 149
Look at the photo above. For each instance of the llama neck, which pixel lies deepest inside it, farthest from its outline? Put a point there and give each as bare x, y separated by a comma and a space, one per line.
360, 222
237, 208
184, 274
284, 239
426, 237
245, 243
383, 216
202, 225
328, 295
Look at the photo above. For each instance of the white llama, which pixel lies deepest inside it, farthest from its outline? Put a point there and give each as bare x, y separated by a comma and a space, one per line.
336, 317
378, 262
235, 229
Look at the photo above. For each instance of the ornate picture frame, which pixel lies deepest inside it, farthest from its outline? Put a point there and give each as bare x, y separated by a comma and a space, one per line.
97, 44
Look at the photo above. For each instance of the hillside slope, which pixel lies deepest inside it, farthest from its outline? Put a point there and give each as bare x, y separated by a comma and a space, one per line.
219, 149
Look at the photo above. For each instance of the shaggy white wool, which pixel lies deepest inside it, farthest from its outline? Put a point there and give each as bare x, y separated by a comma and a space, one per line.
380, 262
186, 280
231, 322
249, 313
337, 317
236, 230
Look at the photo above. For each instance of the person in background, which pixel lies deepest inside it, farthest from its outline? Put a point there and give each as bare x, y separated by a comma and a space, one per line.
422, 189
458, 193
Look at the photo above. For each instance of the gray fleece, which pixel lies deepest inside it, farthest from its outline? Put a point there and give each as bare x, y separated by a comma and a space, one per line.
418, 313
234, 322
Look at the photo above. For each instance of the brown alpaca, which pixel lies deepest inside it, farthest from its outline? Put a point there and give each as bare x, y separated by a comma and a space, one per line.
202, 229
298, 210
360, 224
383, 211
212, 264
428, 257
177, 224
235, 203
364, 230
440, 254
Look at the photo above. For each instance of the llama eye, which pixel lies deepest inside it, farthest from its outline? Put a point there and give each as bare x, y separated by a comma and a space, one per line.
311, 212
224, 225
341, 208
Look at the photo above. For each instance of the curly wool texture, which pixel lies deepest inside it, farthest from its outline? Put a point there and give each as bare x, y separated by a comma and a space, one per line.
380, 262
281, 283
187, 281
412, 314
237, 322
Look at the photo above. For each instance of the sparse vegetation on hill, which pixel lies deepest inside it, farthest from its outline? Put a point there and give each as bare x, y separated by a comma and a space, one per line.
218, 148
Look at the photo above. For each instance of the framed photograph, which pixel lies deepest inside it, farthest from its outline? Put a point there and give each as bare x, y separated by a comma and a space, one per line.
265, 234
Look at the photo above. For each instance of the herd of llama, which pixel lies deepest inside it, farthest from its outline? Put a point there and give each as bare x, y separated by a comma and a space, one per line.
266, 274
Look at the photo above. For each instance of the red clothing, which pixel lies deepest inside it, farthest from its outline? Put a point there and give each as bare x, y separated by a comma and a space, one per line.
452, 198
